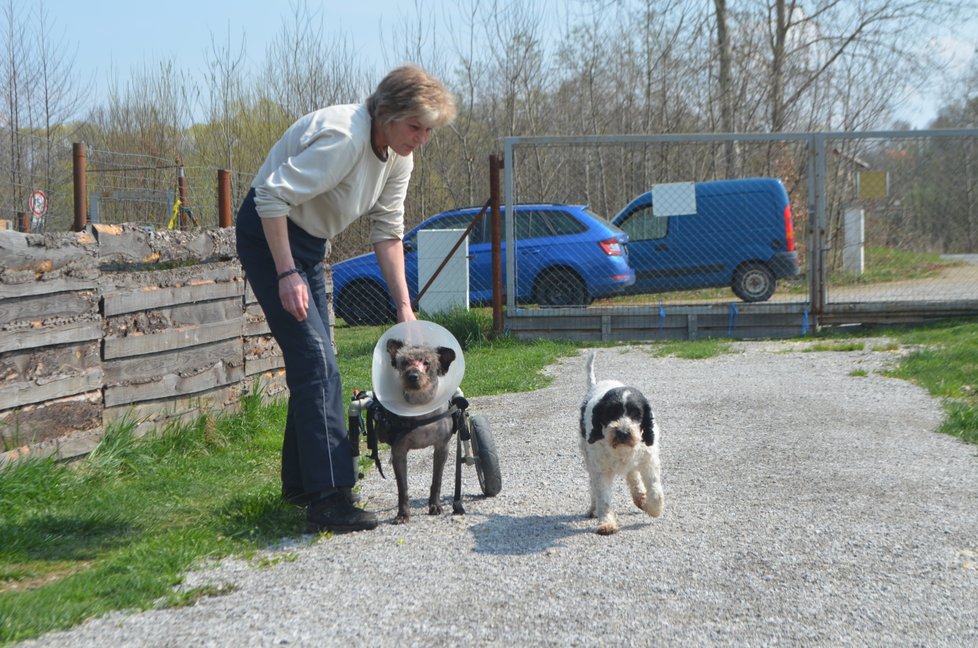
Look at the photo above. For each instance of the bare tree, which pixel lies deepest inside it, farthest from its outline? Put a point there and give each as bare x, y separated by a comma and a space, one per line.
305, 71
15, 70
226, 100
40, 97
808, 41
727, 95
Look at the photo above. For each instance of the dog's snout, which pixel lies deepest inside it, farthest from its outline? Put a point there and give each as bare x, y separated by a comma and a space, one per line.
413, 376
621, 436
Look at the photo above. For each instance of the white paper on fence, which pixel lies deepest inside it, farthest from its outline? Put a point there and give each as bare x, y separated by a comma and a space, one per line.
674, 199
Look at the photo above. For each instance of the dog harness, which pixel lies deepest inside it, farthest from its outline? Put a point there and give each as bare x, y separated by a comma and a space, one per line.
382, 423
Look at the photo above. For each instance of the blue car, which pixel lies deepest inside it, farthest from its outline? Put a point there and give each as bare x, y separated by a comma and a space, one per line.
567, 255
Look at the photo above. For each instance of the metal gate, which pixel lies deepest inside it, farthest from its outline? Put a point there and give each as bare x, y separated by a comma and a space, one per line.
885, 229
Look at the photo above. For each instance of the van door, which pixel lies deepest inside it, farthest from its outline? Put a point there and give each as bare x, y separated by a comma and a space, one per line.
656, 250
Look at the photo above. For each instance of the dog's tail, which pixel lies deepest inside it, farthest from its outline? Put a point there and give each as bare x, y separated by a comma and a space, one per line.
589, 369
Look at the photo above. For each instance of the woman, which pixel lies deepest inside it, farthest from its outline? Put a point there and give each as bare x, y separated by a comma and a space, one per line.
330, 168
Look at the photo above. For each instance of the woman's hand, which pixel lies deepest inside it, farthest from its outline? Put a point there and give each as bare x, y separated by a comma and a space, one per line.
292, 290
294, 294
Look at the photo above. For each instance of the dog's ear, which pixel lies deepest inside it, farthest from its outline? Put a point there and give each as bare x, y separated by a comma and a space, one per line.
583, 420
393, 346
598, 419
648, 429
446, 357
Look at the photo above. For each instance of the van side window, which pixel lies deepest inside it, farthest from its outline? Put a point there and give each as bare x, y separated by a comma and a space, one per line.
641, 225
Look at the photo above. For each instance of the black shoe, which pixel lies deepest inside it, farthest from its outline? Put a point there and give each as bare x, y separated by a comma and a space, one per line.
335, 513
303, 499
298, 497
350, 495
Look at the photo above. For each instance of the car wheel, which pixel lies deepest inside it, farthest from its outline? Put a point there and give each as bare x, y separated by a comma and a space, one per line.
753, 282
560, 288
364, 303
486, 459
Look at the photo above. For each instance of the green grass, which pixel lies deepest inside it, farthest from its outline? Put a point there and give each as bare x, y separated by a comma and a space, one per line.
693, 349
945, 363
119, 529
883, 265
834, 346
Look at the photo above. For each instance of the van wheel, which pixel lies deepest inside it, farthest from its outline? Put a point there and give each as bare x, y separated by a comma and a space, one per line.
560, 288
364, 303
754, 282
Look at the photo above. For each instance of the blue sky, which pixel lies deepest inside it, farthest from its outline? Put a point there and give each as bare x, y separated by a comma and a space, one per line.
121, 36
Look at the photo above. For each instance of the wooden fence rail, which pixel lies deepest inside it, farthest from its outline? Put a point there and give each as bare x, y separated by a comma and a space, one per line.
117, 321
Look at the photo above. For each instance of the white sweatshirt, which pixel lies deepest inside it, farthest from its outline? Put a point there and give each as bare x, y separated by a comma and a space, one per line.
323, 175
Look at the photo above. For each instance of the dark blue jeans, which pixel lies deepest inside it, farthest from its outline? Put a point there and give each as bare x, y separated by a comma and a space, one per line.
316, 453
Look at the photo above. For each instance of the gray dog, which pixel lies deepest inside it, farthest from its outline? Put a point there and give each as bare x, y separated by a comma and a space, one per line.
419, 368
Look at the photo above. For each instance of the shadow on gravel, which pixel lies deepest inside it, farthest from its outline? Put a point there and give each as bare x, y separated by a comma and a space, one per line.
516, 535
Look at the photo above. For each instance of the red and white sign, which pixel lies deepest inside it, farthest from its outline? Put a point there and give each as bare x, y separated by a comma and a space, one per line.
38, 203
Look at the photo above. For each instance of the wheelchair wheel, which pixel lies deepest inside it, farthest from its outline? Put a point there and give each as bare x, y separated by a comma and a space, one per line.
486, 460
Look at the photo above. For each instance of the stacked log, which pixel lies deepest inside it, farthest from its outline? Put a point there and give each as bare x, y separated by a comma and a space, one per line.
118, 321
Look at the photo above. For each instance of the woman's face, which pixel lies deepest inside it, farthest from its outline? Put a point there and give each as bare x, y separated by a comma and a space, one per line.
406, 135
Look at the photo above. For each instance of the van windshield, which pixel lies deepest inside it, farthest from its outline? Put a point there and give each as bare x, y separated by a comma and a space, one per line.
642, 225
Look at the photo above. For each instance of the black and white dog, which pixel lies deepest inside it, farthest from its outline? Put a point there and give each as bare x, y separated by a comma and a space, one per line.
619, 436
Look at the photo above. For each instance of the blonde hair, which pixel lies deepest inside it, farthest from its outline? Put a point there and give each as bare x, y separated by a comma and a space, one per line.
409, 91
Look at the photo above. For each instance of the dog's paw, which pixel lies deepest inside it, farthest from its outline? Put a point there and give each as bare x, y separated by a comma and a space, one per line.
653, 505
639, 499
402, 518
435, 509
608, 528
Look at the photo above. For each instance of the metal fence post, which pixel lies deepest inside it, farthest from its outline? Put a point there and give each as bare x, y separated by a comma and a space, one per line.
182, 188
223, 198
510, 225
818, 223
79, 169
497, 263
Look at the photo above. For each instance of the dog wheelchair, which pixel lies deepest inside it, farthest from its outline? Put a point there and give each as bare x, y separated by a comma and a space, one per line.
475, 445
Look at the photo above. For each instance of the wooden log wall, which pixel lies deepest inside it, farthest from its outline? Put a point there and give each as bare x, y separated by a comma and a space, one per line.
117, 321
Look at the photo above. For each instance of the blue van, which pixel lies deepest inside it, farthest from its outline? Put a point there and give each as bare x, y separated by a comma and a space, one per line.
741, 236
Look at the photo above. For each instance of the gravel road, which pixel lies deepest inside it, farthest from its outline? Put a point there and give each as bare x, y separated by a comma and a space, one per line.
805, 506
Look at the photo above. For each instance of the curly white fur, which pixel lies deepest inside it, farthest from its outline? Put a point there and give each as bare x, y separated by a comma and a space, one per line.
619, 436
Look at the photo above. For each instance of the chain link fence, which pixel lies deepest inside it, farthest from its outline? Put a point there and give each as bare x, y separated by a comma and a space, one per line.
800, 229
901, 218
707, 221
841, 227
857, 226
121, 187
